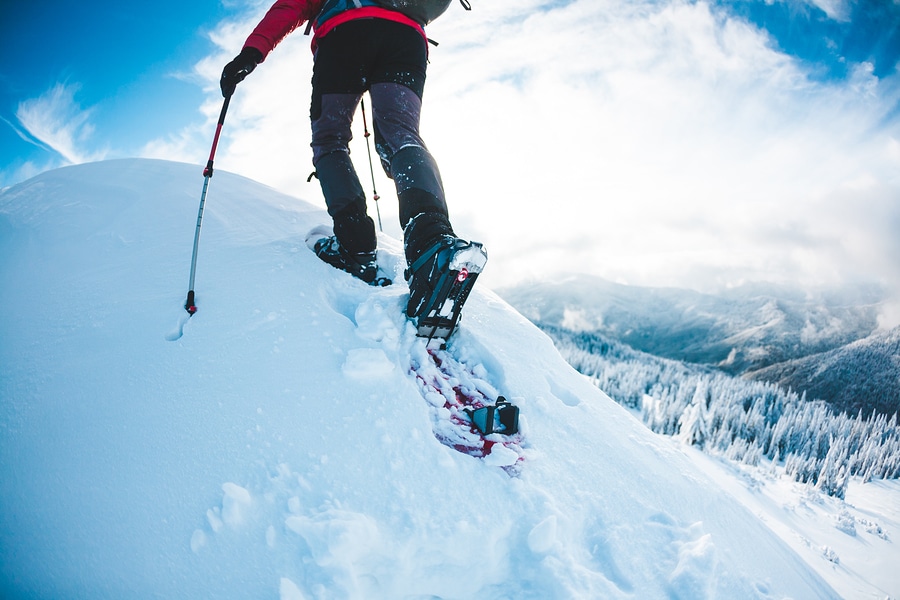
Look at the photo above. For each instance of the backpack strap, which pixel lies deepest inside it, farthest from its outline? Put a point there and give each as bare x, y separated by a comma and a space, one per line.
466, 4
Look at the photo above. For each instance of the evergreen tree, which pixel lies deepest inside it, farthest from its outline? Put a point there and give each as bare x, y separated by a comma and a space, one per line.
743, 420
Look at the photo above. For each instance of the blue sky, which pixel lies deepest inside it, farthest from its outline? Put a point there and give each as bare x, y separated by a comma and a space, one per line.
653, 142
834, 38
128, 64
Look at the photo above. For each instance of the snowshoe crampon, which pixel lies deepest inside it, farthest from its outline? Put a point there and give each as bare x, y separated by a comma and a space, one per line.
440, 281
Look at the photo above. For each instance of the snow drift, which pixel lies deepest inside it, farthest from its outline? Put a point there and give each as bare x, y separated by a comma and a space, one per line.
276, 445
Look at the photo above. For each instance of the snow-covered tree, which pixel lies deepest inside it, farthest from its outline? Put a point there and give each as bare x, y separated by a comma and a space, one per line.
742, 420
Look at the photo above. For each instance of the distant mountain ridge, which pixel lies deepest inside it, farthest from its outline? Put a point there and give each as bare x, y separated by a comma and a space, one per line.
761, 329
863, 375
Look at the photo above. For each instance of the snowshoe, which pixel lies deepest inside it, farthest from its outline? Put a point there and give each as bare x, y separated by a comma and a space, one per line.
440, 281
468, 414
362, 266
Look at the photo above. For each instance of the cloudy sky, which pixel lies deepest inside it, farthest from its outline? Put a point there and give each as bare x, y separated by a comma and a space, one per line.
696, 144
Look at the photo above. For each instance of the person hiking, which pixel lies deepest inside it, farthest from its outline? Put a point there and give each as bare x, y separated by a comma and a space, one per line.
362, 46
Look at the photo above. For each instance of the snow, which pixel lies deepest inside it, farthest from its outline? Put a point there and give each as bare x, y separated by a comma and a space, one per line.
850, 542
276, 443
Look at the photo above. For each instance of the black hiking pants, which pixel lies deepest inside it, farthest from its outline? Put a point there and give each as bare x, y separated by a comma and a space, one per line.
388, 60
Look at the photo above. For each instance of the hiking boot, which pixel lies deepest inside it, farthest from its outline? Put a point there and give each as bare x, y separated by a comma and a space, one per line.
440, 281
361, 265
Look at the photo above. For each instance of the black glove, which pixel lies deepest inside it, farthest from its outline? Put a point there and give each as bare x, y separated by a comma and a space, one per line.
235, 71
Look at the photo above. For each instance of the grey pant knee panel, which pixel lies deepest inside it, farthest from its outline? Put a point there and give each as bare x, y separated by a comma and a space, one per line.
331, 130
396, 111
403, 154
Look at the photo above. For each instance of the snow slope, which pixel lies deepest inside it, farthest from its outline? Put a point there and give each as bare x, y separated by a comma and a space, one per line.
276, 445
849, 542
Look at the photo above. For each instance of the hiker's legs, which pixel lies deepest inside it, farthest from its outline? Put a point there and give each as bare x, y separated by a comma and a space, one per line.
337, 87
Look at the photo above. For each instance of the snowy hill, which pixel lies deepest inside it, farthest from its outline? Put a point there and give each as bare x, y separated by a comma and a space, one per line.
277, 445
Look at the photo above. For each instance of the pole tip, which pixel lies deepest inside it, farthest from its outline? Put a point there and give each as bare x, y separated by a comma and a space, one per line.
189, 306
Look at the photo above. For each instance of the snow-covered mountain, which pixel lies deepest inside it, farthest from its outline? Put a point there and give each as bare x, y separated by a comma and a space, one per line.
278, 443
742, 330
745, 328
863, 375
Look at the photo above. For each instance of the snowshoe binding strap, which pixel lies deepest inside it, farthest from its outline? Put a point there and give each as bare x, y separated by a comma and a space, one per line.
502, 417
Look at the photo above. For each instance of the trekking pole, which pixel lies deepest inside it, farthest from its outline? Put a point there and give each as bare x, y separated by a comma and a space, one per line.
371, 168
189, 305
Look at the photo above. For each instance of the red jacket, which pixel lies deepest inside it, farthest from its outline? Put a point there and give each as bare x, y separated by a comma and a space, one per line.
287, 15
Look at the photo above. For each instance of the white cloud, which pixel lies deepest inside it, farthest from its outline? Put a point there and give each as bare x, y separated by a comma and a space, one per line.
649, 143
59, 123
839, 10
266, 130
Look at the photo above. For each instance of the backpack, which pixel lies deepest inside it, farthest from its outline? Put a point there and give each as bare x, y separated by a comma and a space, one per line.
421, 11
